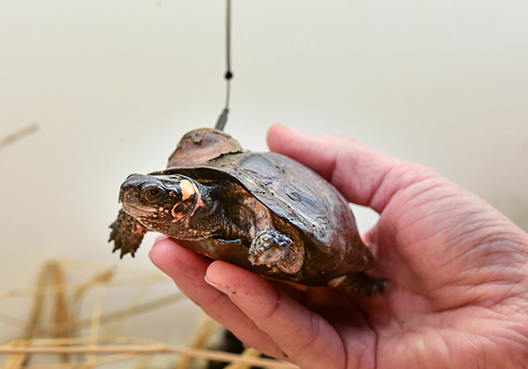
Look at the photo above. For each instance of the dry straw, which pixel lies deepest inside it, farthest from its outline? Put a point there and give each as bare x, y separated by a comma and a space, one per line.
24, 131
52, 327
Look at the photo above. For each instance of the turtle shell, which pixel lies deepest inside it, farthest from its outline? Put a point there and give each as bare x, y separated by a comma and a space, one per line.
298, 196
201, 145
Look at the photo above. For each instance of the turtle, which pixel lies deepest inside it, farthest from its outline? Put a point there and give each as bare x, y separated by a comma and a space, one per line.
259, 210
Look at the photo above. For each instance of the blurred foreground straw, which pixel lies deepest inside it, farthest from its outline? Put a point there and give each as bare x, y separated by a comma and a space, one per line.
12, 137
20, 347
54, 325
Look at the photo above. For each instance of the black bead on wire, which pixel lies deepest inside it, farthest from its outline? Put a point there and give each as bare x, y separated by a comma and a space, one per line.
222, 119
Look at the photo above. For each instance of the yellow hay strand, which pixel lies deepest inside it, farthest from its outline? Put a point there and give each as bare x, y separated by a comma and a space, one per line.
85, 364
18, 134
16, 361
249, 352
157, 348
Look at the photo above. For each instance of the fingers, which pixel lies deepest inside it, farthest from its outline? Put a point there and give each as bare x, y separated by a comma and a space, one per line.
304, 337
188, 269
363, 175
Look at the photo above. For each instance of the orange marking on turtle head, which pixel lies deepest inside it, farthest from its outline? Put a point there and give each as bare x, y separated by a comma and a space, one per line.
187, 189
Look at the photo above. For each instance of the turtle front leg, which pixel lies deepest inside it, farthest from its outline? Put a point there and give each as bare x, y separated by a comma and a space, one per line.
272, 248
127, 233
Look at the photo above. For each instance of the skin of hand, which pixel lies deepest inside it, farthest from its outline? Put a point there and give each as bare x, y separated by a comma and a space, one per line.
457, 291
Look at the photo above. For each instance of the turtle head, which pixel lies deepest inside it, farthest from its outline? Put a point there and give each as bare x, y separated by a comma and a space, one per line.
160, 202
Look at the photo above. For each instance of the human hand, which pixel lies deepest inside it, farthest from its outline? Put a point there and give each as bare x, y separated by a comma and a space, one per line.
457, 275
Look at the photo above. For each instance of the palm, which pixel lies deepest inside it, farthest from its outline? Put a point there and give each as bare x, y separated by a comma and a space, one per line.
447, 280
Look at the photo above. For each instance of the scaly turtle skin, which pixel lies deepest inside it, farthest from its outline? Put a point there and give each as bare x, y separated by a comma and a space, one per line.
261, 211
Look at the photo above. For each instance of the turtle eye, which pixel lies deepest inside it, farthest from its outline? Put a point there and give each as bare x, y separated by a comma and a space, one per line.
152, 195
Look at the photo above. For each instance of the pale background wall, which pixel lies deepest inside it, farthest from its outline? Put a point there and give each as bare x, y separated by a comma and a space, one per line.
114, 84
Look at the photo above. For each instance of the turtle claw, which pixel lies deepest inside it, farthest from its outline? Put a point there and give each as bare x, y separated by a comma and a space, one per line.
272, 248
127, 234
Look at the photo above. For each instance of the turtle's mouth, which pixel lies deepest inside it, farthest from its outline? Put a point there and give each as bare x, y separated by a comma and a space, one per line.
136, 210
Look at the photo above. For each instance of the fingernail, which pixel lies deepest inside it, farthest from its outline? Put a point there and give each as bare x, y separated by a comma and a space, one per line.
219, 287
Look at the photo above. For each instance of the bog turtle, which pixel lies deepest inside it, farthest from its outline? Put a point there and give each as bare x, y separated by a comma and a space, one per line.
262, 211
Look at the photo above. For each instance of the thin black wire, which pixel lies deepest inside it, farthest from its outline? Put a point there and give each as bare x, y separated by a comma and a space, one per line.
228, 74
222, 119
228, 90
